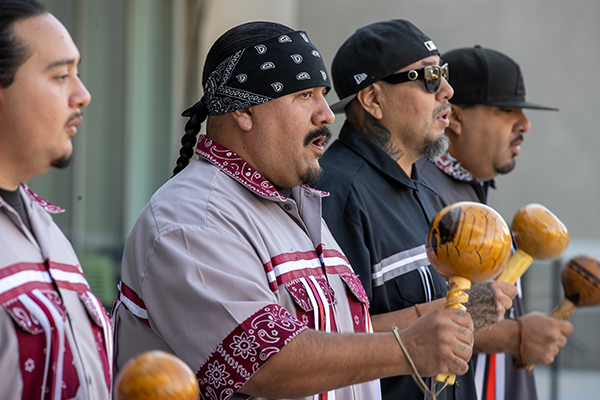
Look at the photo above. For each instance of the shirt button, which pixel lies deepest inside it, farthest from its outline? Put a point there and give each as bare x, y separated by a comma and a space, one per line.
287, 207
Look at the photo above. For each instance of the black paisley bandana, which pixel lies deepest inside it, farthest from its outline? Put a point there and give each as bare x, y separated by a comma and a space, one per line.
276, 67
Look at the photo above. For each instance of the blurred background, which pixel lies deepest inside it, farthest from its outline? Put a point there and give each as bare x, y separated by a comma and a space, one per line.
142, 61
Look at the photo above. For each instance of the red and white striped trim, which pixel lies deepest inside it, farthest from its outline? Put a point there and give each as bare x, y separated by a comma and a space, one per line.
287, 267
53, 323
20, 278
133, 302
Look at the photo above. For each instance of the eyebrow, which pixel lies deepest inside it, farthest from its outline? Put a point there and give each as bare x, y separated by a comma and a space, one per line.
61, 62
426, 63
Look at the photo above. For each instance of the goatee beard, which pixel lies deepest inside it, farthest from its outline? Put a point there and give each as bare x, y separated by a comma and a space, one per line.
312, 176
61, 163
437, 148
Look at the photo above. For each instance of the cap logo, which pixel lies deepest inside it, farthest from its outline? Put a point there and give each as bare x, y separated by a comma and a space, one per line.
430, 45
302, 76
242, 78
323, 74
284, 39
315, 53
360, 78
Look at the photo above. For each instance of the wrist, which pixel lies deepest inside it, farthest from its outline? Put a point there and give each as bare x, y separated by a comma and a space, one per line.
518, 358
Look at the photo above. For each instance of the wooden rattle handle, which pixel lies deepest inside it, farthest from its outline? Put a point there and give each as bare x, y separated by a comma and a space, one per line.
454, 299
516, 266
563, 310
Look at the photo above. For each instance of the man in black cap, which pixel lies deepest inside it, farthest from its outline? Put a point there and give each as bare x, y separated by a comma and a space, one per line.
395, 96
486, 130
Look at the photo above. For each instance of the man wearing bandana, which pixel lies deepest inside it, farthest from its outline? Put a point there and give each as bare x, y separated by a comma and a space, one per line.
230, 265
394, 93
486, 130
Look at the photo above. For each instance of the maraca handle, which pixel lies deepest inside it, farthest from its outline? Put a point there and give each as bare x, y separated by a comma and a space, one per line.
454, 299
562, 311
516, 266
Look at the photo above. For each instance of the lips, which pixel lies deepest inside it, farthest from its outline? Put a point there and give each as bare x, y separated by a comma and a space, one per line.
318, 137
515, 144
444, 116
318, 142
72, 123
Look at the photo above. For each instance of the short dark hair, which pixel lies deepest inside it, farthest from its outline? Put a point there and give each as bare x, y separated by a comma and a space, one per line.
232, 41
13, 52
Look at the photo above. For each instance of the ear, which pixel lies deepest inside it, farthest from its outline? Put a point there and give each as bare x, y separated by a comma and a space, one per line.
370, 99
243, 118
457, 116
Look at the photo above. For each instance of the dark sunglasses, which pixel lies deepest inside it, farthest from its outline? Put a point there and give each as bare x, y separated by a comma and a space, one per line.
432, 74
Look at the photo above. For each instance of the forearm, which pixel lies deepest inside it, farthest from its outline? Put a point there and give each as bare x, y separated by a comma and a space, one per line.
405, 317
315, 362
501, 338
347, 359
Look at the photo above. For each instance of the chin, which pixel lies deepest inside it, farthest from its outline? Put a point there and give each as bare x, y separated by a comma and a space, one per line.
61, 162
312, 175
505, 169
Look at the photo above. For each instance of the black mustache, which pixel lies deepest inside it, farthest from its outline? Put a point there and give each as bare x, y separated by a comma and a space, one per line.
322, 131
520, 137
74, 116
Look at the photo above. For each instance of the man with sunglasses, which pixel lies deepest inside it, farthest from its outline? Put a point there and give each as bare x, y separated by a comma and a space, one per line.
486, 130
395, 96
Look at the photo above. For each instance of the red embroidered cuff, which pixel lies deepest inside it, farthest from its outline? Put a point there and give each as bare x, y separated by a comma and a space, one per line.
246, 350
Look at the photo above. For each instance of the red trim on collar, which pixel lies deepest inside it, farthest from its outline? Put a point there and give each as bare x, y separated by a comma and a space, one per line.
234, 166
45, 204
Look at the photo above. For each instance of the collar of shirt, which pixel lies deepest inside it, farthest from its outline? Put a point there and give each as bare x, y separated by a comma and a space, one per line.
452, 167
377, 157
234, 166
45, 204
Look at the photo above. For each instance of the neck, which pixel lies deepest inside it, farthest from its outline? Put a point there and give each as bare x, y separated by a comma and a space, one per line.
8, 183
382, 137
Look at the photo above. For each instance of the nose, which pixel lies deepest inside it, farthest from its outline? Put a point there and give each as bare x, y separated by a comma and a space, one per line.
445, 92
80, 97
323, 114
522, 125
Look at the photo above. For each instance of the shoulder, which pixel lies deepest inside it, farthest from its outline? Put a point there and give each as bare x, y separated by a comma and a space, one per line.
430, 173
342, 169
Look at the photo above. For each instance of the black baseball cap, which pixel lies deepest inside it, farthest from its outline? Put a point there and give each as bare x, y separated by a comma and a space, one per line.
374, 52
484, 76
